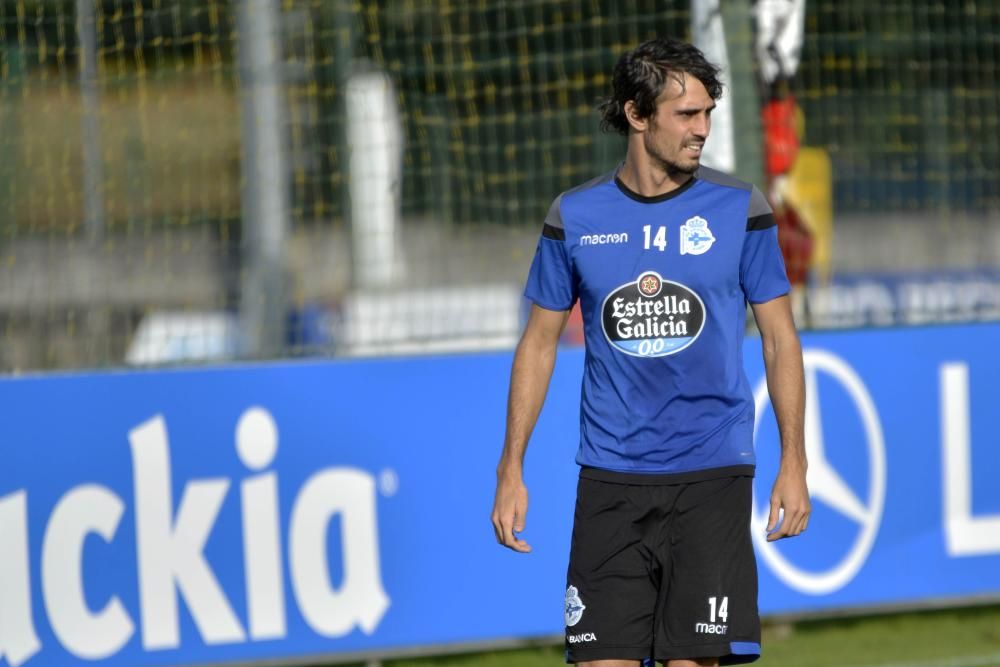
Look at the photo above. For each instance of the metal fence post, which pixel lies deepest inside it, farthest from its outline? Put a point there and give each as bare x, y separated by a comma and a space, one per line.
265, 179
93, 168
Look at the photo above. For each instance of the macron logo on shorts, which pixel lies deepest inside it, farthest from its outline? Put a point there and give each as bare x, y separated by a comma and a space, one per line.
710, 628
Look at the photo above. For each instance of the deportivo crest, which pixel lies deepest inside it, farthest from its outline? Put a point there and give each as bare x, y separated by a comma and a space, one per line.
652, 317
696, 237
574, 606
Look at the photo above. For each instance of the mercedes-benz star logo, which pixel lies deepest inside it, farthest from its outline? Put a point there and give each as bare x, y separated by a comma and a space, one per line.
825, 483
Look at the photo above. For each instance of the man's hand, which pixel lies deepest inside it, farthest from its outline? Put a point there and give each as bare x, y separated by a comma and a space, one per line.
791, 495
510, 509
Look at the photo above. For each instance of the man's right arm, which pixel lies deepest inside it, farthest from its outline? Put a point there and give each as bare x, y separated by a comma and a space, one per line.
529, 381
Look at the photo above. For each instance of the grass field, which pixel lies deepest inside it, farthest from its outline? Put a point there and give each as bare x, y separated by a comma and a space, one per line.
956, 638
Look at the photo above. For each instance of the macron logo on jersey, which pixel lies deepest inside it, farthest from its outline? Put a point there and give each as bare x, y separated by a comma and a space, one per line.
604, 239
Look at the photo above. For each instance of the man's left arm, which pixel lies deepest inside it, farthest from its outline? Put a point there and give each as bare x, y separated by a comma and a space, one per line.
786, 386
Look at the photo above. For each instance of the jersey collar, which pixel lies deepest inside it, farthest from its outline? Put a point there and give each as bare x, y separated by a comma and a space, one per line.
642, 199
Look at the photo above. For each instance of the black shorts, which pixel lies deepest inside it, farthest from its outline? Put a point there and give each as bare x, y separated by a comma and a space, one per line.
663, 571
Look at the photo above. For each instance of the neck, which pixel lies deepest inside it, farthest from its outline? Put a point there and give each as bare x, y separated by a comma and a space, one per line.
647, 177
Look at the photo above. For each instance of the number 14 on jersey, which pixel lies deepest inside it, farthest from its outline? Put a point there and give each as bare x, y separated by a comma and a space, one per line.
660, 240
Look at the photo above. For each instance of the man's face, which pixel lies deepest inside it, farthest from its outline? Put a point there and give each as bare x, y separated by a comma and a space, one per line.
676, 132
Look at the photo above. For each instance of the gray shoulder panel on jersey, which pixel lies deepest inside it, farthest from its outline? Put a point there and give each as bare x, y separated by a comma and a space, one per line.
554, 227
760, 215
721, 178
593, 183
554, 216
758, 204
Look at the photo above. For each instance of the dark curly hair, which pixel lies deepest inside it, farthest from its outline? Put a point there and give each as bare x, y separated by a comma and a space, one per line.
641, 74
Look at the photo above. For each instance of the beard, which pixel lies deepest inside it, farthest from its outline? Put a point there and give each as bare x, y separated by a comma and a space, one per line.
671, 166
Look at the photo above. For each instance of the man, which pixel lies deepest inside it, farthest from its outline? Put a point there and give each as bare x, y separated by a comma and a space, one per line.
663, 257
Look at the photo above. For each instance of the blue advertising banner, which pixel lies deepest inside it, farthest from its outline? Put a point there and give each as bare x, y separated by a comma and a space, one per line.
868, 299
901, 435
300, 510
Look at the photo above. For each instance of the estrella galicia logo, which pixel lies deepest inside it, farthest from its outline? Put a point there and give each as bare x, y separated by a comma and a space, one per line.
652, 317
574, 606
696, 237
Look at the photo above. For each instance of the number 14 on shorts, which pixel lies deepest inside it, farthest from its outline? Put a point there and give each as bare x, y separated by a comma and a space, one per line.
720, 614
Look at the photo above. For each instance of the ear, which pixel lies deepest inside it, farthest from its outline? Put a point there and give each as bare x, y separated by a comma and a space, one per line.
637, 122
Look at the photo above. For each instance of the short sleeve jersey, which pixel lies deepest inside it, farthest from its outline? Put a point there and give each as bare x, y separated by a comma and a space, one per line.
663, 284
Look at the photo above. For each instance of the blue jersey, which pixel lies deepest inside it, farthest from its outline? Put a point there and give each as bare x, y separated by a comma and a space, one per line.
663, 284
